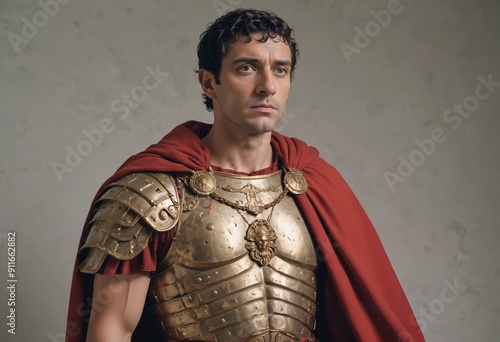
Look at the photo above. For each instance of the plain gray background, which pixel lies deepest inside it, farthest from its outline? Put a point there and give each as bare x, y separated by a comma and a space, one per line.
371, 113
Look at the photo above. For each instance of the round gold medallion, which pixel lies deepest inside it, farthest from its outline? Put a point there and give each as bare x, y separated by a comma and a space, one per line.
295, 182
202, 182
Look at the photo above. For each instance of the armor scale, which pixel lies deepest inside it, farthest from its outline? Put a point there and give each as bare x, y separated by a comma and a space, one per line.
126, 215
231, 275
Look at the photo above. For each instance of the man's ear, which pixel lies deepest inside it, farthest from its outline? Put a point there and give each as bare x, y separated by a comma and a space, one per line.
207, 82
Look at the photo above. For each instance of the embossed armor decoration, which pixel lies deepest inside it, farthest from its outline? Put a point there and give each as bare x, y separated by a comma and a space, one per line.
126, 215
227, 280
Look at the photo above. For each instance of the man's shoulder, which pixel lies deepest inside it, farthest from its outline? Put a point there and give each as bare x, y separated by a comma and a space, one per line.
152, 196
127, 213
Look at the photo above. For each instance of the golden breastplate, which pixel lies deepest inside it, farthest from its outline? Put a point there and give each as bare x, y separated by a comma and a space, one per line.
241, 266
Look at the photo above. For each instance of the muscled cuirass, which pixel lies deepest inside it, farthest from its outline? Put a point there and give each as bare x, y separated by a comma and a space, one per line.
241, 265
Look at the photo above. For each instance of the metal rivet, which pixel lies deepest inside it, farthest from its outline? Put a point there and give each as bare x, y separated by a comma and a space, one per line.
210, 226
163, 215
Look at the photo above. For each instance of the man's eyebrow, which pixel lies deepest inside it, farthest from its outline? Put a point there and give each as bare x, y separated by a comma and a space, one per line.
283, 62
252, 60
246, 60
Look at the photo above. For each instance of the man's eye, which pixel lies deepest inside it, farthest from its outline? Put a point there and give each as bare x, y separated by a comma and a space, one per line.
245, 68
281, 71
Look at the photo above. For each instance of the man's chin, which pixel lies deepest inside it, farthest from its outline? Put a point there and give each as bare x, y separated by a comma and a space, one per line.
263, 129
264, 125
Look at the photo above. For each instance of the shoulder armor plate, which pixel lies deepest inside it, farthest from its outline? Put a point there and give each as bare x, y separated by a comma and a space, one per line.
126, 215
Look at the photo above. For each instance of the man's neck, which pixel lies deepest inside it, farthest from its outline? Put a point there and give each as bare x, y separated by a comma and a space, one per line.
242, 153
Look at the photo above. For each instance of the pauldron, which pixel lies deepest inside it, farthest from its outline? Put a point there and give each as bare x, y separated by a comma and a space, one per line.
126, 215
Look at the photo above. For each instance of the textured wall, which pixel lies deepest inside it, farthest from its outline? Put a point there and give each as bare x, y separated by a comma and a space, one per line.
401, 96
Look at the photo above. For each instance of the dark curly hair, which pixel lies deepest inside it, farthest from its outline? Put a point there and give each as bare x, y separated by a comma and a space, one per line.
228, 28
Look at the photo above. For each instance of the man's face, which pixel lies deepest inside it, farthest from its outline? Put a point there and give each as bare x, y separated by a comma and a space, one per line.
254, 85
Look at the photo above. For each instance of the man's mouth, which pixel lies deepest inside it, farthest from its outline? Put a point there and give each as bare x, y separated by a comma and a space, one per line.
264, 107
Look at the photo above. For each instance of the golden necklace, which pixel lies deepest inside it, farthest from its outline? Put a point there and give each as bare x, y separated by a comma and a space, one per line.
260, 234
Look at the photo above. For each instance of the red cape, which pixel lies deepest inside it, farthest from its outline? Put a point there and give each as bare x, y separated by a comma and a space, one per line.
365, 301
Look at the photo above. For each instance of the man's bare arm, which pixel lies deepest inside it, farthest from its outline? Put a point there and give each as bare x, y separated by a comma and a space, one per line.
117, 306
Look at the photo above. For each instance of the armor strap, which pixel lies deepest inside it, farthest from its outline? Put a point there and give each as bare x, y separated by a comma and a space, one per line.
127, 214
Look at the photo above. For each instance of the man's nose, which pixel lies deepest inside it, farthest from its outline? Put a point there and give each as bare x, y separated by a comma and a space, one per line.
266, 85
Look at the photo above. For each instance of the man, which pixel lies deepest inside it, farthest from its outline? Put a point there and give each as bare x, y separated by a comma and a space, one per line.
231, 231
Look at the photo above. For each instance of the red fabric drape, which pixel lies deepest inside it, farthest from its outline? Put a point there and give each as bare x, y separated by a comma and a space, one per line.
365, 302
